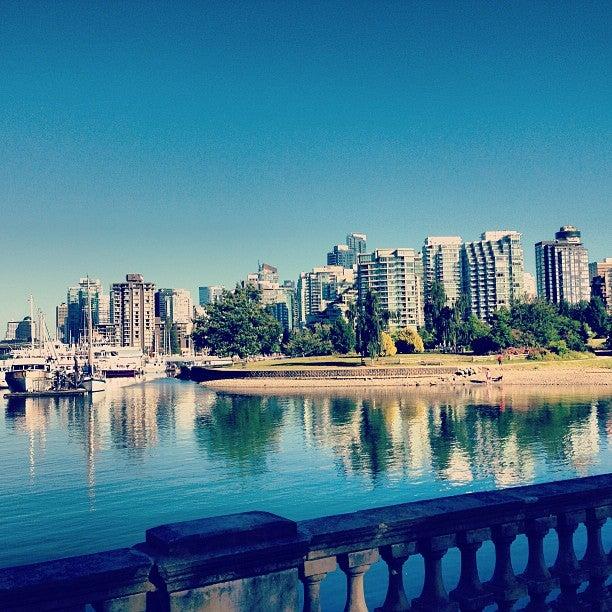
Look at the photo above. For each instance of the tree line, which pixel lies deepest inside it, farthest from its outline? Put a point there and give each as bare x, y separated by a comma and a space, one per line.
239, 324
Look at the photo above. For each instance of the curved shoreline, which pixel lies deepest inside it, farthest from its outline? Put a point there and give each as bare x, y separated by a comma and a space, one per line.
532, 377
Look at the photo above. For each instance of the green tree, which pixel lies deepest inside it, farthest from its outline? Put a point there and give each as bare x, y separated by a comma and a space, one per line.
342, 336
370, 322
237, 325
387, 346
408, 340
309, 342
434, 305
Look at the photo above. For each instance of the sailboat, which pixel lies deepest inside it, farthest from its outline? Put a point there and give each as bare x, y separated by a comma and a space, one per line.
90, 382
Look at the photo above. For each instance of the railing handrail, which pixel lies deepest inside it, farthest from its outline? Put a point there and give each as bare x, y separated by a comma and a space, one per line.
397, 523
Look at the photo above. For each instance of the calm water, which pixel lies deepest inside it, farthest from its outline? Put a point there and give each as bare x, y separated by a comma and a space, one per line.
80, 476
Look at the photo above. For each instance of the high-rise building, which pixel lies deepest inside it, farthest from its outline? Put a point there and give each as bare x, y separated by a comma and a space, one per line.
357, 243
133, 312
531, 288
77, 308
61, 320
341, 255
396, 276
321, 287
210, 294
493, 272
173, 320
601, 281
11, 331
562, 268
442, 264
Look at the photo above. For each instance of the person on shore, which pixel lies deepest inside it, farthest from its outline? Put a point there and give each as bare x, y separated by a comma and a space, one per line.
500, 358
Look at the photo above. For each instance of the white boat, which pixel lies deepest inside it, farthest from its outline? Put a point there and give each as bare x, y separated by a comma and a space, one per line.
28, 374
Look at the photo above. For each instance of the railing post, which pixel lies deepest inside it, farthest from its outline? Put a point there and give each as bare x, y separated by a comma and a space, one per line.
504, 584
434, 595
566, 567
536, 576
595, 562
355, 565
311, 574
395, 556
469, 592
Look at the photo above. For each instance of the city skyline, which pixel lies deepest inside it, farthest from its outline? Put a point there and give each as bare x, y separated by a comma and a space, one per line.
197, 292
189, 142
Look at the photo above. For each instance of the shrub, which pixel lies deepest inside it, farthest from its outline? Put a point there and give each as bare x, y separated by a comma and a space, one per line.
407, 340
387, 346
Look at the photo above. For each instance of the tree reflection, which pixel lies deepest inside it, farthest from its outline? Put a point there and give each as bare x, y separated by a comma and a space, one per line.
241, 429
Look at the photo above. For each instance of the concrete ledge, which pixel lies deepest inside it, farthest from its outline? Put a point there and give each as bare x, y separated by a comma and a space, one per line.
75, 580
203, 374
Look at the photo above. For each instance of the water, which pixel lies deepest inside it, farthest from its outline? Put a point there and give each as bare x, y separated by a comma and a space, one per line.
80, 475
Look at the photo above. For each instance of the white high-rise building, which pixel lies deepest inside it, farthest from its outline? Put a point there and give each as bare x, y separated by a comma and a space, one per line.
133, 312
395, 275
562, 267
317, 289
442, 264
531, 288
493, 272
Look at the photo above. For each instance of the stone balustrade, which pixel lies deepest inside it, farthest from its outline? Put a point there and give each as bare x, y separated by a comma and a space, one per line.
260, 561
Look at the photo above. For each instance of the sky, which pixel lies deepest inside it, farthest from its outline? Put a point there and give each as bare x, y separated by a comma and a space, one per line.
188, 141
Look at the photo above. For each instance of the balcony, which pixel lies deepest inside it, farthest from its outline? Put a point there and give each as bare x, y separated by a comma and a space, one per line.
260, 561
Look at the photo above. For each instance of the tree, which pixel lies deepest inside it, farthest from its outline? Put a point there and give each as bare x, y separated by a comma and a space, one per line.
342, 336
369, 325
309, 342
434, 305
407, 340
387, 346
237, 325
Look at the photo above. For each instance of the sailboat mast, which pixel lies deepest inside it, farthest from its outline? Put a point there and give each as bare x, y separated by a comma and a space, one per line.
31, 300
89, 327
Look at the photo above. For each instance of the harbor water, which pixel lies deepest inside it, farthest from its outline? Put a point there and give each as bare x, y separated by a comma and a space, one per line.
81, 474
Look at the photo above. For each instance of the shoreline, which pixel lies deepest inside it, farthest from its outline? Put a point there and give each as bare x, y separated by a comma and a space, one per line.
535, 376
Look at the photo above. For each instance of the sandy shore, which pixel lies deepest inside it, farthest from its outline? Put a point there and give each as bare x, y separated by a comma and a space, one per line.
533, 375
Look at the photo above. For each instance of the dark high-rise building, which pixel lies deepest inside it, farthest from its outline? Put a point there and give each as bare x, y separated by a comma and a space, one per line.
562, 268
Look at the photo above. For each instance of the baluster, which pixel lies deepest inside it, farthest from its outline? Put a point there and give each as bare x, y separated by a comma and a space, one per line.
311, 574
594, 562
434, 595
504, 584
566, 567
469, 592
537, 576
355, 565
395, 556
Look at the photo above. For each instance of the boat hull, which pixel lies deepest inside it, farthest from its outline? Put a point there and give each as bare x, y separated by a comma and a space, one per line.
94, 385
28, 381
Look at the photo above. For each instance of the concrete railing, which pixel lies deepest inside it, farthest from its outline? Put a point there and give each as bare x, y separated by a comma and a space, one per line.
255, 561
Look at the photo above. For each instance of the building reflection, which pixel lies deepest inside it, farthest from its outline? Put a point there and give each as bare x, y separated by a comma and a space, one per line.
502, 437
460, 437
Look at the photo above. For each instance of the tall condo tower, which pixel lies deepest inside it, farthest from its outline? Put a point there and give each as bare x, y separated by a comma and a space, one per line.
493, 269
133, 311
562, 268
395, 275
442, 264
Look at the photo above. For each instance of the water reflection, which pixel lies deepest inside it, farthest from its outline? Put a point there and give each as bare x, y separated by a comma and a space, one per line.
109, 467
241, 429
459, 438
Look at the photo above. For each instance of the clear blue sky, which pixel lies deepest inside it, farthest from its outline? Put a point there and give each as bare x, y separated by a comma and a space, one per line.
187, 141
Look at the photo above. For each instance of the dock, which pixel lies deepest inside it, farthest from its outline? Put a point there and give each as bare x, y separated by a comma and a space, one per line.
50, 393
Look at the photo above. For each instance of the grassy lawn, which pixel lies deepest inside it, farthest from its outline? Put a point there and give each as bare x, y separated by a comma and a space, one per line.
333, 361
